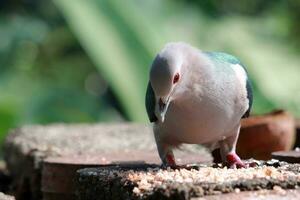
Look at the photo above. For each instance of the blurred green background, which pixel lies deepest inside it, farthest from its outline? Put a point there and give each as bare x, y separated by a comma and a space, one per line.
88, 60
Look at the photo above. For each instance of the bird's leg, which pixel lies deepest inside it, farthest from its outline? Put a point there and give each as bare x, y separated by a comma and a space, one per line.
165, 153
169, 159
228, 153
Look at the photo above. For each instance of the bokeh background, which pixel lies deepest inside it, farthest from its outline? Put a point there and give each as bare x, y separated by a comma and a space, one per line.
78, 61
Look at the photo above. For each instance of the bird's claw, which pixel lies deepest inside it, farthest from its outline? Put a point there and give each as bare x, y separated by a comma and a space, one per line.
178, 167
242, 164
163, 166
238, 165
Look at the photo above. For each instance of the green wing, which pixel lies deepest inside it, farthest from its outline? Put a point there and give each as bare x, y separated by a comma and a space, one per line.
250, 98
224, 57
150, 103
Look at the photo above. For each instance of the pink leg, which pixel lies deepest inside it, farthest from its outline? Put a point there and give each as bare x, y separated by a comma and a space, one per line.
165, 152
227, 147
170, 160
234, 161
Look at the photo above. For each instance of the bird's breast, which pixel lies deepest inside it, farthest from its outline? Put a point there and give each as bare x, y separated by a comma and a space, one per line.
198, 118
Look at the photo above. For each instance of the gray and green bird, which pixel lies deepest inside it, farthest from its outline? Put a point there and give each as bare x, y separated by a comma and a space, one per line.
197, 97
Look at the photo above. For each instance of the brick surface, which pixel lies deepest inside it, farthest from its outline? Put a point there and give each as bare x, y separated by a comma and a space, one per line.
27, 147
143, 182
82, 145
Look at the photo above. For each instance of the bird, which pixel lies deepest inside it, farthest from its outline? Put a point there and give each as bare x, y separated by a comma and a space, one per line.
197, 97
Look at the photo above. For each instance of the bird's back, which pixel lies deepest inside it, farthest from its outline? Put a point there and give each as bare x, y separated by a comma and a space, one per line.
221, 59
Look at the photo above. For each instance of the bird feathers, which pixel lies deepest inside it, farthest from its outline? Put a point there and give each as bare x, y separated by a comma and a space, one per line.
205, 106
218, 59
250, 98
150, 103
222, 57
225, 58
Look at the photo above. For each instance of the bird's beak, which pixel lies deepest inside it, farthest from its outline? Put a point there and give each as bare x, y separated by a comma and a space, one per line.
163, 105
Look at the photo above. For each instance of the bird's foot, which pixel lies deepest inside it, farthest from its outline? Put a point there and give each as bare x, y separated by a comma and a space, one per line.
179, 167
169, 161
234, 161
166, 166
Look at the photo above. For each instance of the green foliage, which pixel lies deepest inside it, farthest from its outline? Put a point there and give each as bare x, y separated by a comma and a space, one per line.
107, 48
46, 76
242, 36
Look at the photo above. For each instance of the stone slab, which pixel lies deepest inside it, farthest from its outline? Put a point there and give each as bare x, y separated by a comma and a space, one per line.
58, 172
149, 182
26, 147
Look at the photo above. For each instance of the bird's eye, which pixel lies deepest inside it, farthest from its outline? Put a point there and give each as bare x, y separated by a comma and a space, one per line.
176, 78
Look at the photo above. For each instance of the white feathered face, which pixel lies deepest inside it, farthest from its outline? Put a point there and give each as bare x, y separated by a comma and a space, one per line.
164, 76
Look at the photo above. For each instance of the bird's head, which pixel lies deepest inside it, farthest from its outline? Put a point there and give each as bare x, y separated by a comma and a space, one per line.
165, 76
